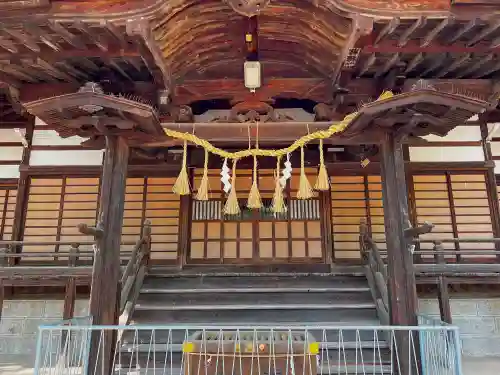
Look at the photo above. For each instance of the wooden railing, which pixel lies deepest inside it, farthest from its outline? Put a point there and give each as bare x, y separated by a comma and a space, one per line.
133, 275
438, 265
28, 268
376, 273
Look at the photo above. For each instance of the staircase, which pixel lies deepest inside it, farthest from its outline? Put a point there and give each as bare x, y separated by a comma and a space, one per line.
259, 299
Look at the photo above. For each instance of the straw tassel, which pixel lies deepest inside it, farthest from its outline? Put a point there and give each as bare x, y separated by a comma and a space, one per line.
278, 206
322, 183
202, 194
305, 189
232, 206
181, 186
254, 200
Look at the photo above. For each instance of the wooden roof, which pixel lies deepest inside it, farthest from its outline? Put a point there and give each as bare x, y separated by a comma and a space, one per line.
337, 53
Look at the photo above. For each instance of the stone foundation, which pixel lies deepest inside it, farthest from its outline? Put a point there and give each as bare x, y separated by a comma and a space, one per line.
478, 320
20, 321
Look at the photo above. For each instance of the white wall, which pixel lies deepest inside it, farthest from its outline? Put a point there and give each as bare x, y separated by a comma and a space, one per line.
443, 153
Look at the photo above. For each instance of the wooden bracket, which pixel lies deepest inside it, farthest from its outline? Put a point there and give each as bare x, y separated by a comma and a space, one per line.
417, 231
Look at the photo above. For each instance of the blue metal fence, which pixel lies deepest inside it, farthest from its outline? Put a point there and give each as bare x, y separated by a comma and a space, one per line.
63, 349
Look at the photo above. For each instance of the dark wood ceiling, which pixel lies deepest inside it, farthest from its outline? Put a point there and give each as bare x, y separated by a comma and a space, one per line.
339, 52
206, 40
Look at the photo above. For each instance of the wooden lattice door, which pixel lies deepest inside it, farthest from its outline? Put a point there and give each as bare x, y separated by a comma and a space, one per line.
255, 236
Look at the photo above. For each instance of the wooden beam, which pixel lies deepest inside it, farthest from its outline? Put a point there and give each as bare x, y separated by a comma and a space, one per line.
11, 275
362, 25
105, 290
143, 29
236, 133
53, 56
413, 46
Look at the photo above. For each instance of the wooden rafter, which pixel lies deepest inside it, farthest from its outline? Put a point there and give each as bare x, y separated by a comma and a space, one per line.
367, 64
487, 71
457, 63
405, 37
68, 37
485, 33
388, 65
388, 29
474, 67
462, 31
414, 62
413, 47
431, 35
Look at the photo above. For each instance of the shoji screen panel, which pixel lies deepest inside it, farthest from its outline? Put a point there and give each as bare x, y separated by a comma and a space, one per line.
43, 213
432, 202
376, 210
133, 214
79, 204
151, 198
55, 207
162, 209
349, 206
472, 211
8, 196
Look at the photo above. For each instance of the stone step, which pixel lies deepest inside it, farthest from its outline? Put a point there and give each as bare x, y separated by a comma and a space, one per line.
255, 301
271, 317
254, 284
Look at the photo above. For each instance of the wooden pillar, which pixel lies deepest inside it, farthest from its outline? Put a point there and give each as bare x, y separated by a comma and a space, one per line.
402, 287
22, 189
491, 183
325, 204
105, 291
184, 228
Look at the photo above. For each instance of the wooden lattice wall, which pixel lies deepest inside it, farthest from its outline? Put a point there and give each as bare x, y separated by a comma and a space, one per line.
8, 194
456, 202
57, 205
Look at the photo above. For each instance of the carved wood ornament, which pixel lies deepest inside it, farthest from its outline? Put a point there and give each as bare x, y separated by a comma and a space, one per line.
248, 8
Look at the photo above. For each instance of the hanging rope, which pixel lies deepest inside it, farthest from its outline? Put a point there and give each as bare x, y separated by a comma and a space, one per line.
181, 186
322, 183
